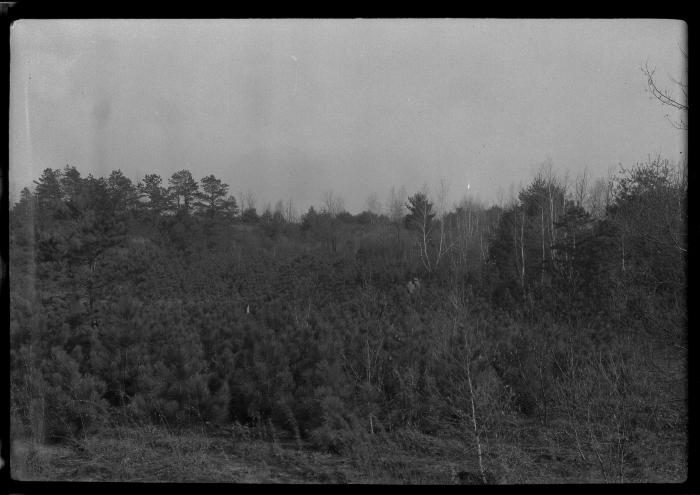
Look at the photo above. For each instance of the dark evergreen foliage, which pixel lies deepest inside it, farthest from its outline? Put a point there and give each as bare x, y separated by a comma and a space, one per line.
138, 308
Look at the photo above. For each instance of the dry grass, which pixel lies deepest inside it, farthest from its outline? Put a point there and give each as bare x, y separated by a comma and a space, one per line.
238, 455
136, 454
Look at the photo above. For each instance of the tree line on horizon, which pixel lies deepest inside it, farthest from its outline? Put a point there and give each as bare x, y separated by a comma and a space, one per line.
146, 303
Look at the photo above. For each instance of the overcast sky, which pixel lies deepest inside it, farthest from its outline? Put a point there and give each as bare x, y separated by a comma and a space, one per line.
294, 108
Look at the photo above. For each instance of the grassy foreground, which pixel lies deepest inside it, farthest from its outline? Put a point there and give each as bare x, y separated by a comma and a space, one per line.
243, 455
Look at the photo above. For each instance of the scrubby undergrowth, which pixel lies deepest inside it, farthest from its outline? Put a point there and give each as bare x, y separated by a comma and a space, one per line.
547, 344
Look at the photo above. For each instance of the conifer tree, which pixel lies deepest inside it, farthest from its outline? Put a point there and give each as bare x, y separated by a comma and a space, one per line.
183, 190
151, 189
212, 199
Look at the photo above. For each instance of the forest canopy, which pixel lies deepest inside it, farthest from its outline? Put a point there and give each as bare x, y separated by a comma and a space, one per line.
168, 300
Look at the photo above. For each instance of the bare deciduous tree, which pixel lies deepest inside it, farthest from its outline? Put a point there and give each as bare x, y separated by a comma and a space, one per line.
374, 206
441, 204
420, 220
677, 100
332, 204
396, 207
581, 188
290, 213
247, 200
600, 196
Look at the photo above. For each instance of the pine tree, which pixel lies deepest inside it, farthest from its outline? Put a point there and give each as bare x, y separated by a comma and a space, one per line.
49, 195
183, 190
151, 189
212, 199
121, 191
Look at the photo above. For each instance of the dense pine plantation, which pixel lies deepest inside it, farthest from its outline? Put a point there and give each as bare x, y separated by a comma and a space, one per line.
538, 341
